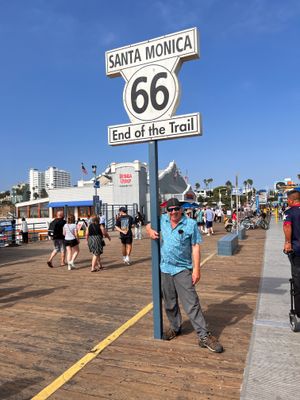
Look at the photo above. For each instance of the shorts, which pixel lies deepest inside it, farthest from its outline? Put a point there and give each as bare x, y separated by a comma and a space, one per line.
71, 243
59, 245
202, 223
209, 224
126, 240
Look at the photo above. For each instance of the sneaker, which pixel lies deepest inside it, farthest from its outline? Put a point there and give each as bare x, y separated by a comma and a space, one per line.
170, 334
211, 343
49, 263
70, 266
127, 260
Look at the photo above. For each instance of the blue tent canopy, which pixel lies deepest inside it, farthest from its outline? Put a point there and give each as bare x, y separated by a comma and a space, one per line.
190, 205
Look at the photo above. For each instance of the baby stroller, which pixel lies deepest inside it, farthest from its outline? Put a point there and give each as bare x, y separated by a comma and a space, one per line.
294, 319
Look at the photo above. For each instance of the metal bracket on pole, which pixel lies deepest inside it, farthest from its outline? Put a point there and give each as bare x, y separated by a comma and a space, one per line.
155, 244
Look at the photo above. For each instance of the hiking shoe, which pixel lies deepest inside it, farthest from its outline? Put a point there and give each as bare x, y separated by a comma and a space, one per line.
49, 263
170, 334
211, 343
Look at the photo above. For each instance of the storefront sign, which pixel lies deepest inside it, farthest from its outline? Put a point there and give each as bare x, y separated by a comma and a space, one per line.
125, 179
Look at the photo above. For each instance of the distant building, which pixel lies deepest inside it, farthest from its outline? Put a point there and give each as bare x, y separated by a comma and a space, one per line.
121, 184
52, 178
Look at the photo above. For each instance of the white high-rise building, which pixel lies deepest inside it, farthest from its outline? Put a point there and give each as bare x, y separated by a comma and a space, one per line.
57, 178
36, 182
52, 178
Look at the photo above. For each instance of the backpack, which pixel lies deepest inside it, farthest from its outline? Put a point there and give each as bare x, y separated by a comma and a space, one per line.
51, 230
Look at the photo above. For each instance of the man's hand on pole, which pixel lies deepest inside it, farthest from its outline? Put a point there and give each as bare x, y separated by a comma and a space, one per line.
152, 233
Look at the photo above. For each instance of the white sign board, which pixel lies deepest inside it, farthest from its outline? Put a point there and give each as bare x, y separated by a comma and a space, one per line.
183, 45
178, 126
262, 197
152, 91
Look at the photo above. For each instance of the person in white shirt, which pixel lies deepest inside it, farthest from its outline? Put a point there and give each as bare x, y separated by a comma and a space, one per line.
71, 241
24, 230
102, 220
219, 214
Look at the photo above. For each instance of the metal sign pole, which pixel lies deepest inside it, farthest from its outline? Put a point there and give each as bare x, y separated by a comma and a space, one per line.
155, 244
237, 203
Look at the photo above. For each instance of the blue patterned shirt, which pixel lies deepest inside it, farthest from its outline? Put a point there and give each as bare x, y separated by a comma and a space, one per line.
176, 244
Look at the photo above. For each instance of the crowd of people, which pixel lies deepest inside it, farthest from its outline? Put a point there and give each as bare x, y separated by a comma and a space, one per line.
66, 241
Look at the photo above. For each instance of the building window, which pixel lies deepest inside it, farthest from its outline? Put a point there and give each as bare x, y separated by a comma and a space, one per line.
22, 212
84, 212
70, 211
55, 209
33, 211
44, 210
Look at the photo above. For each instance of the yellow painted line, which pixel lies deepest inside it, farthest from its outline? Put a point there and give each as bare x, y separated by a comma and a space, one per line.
67, 375
207, 258
75, 368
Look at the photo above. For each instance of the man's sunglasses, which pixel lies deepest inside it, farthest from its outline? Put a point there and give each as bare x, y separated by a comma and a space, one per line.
173, 209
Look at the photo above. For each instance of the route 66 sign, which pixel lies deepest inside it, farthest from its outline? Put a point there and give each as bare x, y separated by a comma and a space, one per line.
151, 93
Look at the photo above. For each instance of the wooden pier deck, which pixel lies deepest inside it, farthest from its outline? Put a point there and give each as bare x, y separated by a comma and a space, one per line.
51, 318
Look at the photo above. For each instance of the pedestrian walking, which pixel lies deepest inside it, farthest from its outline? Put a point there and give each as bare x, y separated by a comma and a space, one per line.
200, 219
124, 225
180, 272
291, 229
219, 214
24, 231
102, 220
138, 222
95, 238
70, 232
209, 218
57, 226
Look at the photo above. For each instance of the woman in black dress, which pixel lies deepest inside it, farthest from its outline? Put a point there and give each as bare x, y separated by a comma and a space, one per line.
94, 235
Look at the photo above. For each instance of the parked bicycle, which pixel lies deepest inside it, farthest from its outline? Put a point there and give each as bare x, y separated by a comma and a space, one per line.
255, 222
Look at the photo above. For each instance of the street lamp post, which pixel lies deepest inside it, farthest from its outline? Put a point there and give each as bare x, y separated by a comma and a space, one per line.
94, 169
96, 199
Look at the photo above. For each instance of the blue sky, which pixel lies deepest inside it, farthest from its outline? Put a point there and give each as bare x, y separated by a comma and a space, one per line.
56, 101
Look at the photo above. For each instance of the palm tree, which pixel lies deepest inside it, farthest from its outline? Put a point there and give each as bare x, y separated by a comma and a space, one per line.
205, 181
245, 183
250, 183
228, 185
210, 180
197, 186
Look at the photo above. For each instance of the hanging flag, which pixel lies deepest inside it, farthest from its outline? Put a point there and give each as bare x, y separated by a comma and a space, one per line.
83, 170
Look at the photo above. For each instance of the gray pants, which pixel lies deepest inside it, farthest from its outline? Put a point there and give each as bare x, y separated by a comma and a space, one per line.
180, 285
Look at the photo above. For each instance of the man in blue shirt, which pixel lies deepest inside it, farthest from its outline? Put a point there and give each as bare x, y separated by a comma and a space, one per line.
209, 218
291, 229
180, 271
